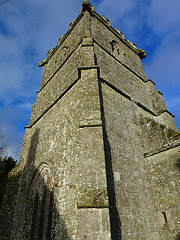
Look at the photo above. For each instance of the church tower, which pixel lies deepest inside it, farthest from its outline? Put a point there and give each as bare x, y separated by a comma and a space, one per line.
101, 153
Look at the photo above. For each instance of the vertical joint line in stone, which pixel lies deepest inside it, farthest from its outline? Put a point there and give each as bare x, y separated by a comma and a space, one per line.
115, 223
87, 24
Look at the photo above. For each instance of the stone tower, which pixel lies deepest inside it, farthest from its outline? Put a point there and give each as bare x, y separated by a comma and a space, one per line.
101, 153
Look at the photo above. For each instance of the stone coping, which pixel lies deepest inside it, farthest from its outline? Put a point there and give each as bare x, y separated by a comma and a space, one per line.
166, 147
86, 6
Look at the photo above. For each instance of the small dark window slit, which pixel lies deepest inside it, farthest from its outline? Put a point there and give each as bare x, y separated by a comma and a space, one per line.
34, 218
42, 216
165, 218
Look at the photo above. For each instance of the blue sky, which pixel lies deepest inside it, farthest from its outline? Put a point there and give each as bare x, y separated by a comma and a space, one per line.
28, 29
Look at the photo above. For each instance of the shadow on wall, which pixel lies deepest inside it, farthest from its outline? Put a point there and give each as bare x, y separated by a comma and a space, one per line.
178, 237
29, 201
29, 208
178, 164
115, 222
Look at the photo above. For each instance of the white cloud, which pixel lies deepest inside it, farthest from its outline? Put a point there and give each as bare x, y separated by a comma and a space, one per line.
128, 16
13, 118
8, 46
164, 66
117, 8
30, 28
27, 30
163, 16
173, 104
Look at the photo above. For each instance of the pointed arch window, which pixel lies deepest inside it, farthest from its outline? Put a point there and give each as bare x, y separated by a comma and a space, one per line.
41, 193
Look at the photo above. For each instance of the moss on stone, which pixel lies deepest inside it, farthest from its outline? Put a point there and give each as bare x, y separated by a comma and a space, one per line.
148, 120
162, 127
160, 112
170, 132
95, 198
153, 123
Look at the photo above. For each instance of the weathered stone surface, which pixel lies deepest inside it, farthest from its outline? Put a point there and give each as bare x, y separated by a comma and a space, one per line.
93, 198
164, 169
103, 37
100, 157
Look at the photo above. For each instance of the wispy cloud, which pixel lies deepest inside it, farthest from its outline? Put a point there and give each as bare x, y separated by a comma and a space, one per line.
164, 66
163, 16
29, 28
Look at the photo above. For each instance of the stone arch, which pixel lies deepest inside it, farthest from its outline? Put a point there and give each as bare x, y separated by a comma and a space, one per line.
41, 195
62, 55
42, 179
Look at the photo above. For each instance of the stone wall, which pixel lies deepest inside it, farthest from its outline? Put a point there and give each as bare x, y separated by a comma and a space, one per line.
100, 155
121, 78
133, 198
163, 168
119, 48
